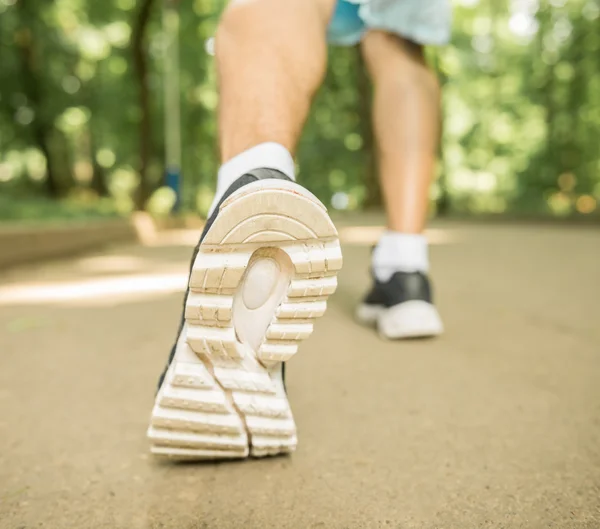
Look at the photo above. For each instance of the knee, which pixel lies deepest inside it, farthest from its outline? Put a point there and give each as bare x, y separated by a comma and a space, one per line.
243, 16
239, 28
377, 45
236, 17
387, 55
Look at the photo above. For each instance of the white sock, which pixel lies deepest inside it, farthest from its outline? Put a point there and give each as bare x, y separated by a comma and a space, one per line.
269, 155
399, 252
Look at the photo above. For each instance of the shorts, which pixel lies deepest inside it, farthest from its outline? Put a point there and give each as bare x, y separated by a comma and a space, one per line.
421, 21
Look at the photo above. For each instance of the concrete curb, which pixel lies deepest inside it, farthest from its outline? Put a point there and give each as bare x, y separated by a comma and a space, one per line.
29, 243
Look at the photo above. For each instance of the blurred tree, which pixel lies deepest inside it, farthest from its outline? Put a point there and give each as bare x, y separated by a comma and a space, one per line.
82, 108
140, 61
39, 116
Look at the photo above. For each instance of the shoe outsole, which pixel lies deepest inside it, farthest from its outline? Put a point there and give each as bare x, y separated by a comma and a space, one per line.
411, 319
220, 398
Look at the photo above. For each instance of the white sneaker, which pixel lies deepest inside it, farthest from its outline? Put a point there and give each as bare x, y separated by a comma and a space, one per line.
261, 274
401, 307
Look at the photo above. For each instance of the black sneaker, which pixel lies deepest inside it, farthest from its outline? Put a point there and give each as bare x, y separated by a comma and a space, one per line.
261, 274
401, 307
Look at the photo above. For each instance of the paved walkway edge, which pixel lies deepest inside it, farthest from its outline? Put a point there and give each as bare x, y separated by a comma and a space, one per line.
30, 243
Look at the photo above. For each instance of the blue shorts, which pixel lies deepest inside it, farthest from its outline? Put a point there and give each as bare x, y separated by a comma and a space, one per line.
421, 21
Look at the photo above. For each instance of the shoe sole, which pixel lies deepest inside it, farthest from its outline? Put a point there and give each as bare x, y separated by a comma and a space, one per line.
411, 319
262, 276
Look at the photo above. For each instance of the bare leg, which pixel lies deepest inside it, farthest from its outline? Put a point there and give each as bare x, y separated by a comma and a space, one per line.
406, 119
238, 322
406, 122
271, 57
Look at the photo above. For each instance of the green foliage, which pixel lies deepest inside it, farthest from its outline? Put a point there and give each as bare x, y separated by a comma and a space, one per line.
519, 99
521, 110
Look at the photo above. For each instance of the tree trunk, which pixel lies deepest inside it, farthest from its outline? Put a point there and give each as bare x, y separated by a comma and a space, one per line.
140, 62
550, 165
573, 152
98, 183
30, 82
94, 133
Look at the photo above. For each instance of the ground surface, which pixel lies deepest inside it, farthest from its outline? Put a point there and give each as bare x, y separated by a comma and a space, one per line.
497, 424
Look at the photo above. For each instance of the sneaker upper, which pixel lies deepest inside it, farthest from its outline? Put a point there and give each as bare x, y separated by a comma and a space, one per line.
248, 178
401, 287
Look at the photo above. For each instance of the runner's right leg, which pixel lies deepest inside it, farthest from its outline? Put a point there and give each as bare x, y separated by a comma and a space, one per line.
271, 57
268, 256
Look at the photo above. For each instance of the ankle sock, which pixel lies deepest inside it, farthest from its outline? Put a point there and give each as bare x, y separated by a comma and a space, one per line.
265, 155
399, 252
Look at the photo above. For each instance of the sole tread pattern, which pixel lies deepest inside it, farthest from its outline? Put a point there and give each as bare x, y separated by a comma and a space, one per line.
220, 399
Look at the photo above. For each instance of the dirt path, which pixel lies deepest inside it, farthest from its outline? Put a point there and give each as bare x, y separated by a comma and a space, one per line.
497, 424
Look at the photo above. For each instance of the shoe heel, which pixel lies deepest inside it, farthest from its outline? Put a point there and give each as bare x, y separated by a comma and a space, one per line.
261, 278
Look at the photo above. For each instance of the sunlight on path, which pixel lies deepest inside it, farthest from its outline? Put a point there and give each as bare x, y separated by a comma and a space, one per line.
123, 277
102, 290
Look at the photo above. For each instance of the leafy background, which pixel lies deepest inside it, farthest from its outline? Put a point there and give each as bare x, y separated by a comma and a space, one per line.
82, 129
